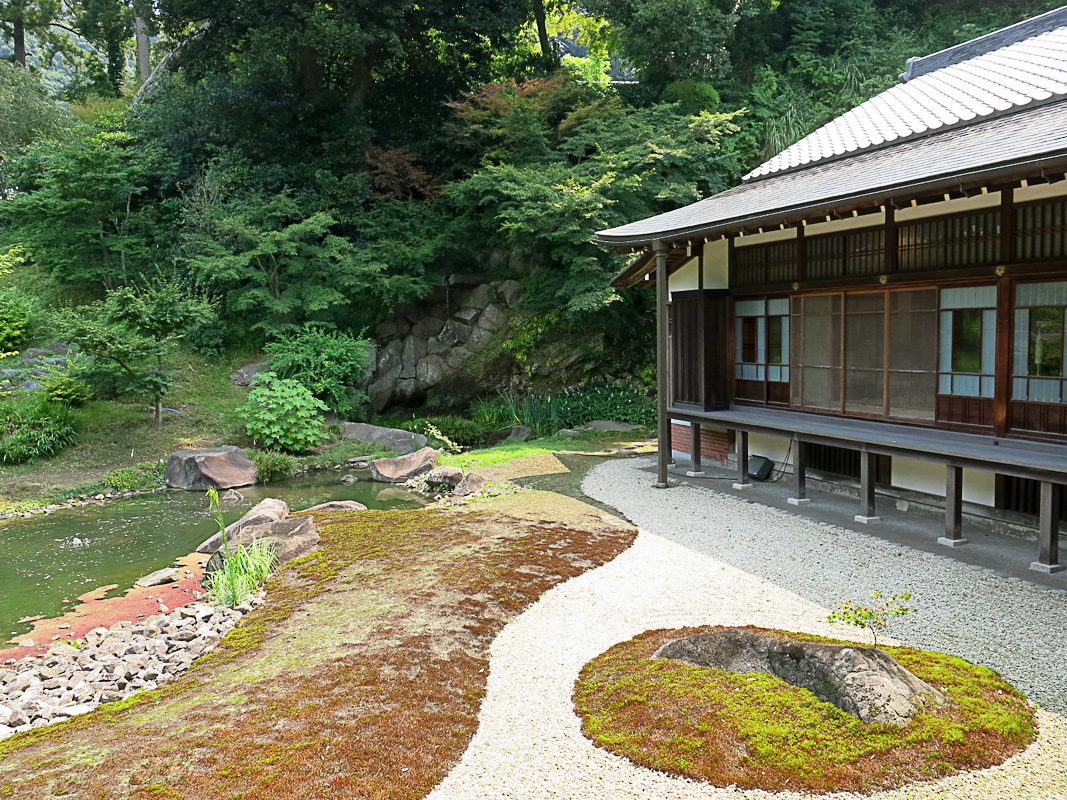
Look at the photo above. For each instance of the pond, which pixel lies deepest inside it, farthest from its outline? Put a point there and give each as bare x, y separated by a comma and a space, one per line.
46, 562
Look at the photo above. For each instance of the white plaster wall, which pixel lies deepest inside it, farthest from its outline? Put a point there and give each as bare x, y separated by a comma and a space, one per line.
717, 264
686, 278
772, 447
775, 235
979, 486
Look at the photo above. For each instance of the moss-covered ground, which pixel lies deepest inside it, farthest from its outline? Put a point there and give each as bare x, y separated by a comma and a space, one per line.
361, 677
756, 731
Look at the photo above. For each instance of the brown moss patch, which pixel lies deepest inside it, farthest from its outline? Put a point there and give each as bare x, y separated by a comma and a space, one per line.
758, 732
382, 707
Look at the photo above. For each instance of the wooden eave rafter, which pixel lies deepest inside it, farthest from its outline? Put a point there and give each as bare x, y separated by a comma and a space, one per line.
640, 274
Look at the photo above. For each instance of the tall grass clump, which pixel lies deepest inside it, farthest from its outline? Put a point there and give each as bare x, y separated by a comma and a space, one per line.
34, 429
244, 569
272, 466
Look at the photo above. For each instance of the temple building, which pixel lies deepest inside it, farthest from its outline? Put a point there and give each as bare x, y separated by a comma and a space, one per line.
885, 299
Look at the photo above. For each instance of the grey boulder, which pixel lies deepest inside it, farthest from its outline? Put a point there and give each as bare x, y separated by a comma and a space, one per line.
246, 374
861, 681
446, 477
337, 505
210, 468
265, 511
391, 438
609, 426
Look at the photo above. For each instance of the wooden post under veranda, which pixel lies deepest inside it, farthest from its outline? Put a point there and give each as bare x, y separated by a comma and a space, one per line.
662, 294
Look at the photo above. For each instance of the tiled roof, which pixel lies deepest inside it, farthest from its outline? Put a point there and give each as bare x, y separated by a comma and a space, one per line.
1033, 134
1009, 69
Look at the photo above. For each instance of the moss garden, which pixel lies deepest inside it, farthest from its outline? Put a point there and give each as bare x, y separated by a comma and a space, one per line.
756, 731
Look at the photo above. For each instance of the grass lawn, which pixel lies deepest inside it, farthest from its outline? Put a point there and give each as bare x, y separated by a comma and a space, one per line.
360, 677
121, 433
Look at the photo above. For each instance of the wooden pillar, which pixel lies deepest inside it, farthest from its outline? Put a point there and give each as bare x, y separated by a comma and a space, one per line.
1048, 529
742, 461
662, 295
800, 474
953, 507
866, 514
695, 470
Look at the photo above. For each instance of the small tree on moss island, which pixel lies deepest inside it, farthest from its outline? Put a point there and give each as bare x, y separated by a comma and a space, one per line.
874, 618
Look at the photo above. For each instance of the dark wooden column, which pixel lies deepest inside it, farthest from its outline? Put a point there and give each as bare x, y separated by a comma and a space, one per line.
953, 507
695, 470
662, 385
866, 514
800, 474
1048, 529
742, 461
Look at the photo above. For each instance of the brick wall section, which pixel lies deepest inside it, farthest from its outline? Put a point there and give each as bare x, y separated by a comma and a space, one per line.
714, 443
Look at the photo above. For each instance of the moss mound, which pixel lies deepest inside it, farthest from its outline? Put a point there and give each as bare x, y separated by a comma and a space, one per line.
759, 732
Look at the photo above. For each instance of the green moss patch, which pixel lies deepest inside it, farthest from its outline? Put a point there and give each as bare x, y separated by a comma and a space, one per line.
756, 731
381, 703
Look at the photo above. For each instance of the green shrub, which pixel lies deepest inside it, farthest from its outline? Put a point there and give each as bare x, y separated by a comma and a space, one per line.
576, 407
34, 430
272, 466
135, 479
283, 414
691, 96
328, 364
207, 338
67, 390
17, 314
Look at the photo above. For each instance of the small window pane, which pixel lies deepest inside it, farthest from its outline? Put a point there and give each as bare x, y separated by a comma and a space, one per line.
1046, 343
967, 340
775, 351
778, 307
748, 340
1045, 391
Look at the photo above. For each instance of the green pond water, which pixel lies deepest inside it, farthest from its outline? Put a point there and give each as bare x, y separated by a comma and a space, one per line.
46, 562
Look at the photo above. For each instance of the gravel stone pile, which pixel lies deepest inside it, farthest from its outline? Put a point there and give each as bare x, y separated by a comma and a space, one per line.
109, 665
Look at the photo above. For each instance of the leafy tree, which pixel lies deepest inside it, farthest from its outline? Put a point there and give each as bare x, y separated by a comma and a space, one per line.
282, 414
133, 328
82, 209
27, 114
565, 169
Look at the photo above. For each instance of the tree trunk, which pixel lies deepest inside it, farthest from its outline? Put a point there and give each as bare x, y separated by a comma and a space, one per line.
547, 50
144, 50
362, 74
309, 70
19, 44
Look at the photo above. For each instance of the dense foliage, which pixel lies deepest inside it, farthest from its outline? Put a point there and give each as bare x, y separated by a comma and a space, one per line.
327, 363
31, 430
325, 164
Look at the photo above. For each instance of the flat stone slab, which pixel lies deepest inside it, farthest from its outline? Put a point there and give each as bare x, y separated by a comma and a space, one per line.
337, 505
392, 438
404, 468
861, 681
608, 425
160, 577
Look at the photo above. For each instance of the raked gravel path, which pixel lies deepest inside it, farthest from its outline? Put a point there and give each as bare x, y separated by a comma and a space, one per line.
692, 564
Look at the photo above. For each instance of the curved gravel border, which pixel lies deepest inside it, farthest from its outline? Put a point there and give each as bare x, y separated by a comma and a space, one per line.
529, 742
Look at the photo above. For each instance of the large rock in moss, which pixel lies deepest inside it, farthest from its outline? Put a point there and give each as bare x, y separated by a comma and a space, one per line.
404, 468
264, 512
861, 681
210, 468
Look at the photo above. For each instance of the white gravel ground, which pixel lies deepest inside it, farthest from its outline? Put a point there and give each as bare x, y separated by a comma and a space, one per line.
529, 742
